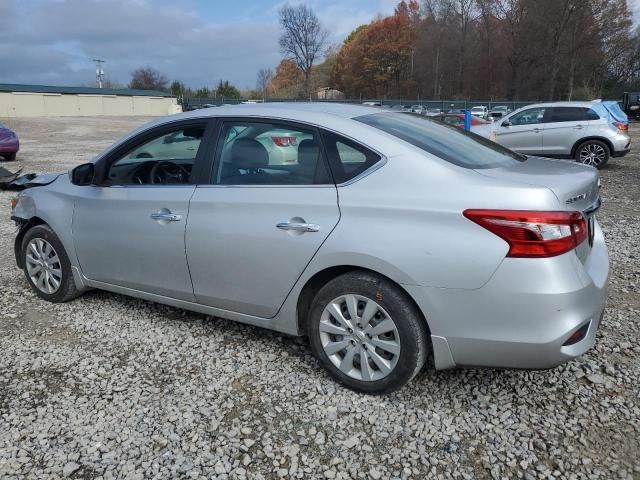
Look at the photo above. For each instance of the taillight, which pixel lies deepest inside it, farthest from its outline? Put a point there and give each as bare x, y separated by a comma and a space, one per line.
623, 127
532, 233
284, 141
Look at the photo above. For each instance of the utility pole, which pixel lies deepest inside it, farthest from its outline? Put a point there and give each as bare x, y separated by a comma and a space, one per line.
99, 71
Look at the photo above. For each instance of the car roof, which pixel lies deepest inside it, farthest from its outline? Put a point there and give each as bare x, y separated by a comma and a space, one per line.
563, 104
285, 110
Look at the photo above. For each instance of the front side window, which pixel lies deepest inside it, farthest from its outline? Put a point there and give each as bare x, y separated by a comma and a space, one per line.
268, 153
447, 142
528, 117
165, 159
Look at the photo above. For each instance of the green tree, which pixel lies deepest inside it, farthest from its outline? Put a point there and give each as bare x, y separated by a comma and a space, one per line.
203, 93
226, 90
177, 88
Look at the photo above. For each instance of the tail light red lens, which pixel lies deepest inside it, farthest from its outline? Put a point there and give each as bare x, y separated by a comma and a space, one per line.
533, 234
284, 141
623, 127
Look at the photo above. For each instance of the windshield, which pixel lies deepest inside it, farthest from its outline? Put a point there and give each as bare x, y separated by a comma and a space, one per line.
448, 142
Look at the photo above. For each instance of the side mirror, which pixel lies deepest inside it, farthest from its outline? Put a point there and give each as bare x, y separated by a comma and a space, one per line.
82, 175
506, 123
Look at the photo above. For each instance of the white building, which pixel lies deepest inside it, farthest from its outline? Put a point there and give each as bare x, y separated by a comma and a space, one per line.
49, 101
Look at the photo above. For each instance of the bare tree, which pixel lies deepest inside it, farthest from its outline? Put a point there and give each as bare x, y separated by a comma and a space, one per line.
147, 78
265, 75
302, 38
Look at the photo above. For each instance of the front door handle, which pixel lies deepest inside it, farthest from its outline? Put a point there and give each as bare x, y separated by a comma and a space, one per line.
165, 216
578, 127
299, 227
537, 130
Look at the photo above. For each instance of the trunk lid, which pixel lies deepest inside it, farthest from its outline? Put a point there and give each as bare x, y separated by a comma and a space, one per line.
575, 185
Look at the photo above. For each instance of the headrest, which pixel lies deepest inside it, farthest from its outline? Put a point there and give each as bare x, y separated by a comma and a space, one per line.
247, 153
308, 153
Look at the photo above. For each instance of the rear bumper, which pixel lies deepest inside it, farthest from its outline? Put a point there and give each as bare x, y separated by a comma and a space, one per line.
623, 152
523, 316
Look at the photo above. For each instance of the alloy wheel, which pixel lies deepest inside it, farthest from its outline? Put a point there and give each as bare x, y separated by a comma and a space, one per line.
359, 337
592, 154
43, 266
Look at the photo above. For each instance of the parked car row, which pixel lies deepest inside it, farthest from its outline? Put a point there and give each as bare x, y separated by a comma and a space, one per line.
404, 241
589, 132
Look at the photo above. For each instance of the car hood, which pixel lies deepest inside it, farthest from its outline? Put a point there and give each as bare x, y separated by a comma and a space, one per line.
575, 185
44, 179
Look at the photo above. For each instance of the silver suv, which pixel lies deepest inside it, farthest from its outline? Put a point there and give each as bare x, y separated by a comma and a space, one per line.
589, 132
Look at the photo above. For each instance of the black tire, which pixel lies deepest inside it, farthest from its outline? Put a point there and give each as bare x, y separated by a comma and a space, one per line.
9, 156
412, 330
582, 152
67, 289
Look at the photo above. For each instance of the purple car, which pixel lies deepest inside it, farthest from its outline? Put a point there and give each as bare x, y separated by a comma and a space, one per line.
9, 143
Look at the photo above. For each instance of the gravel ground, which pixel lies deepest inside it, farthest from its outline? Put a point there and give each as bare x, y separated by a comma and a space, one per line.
113, 387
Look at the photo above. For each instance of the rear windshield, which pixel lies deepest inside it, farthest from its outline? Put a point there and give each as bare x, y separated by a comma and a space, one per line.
450, 143
615, 111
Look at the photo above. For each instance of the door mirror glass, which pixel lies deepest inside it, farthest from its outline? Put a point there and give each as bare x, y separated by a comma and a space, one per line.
506, 123
83, 174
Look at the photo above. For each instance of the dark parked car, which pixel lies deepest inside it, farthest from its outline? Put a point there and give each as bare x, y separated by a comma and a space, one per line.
9, 143
631, 104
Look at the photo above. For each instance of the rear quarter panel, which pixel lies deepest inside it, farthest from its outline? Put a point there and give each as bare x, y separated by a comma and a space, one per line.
405, 221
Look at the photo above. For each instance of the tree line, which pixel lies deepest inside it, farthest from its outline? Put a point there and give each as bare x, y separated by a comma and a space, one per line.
451, 49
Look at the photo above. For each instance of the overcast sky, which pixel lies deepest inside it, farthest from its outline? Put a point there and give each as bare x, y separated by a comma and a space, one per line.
197, 41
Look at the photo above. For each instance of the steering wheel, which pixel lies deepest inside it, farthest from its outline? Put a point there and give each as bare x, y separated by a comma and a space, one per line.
168, 172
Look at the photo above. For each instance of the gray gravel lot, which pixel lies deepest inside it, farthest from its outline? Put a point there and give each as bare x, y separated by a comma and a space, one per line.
113, 387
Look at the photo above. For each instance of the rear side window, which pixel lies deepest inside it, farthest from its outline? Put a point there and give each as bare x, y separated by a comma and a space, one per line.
572, 114
347, 159
448, 142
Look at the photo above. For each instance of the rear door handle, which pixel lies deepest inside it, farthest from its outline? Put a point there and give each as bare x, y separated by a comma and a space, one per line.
165, 215
299, 227
537, 130
578, 127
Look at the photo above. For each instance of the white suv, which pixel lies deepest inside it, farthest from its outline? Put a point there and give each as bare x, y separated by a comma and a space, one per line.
480, 111
589, 132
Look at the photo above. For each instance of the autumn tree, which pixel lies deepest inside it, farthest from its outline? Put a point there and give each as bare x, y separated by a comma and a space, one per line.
302, 39
147, 78
377, 60
288, 80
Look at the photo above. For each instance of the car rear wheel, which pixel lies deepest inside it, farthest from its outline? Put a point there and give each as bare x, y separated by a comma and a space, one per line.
367, 333
47, 266
593, 152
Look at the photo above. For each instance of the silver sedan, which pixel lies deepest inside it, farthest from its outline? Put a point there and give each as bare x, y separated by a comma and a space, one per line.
390, 240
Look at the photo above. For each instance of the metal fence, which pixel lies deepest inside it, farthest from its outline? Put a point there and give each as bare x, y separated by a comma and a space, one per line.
189, 103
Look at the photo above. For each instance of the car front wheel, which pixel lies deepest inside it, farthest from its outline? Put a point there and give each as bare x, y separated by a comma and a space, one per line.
593, 152
367, 333
47, 266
